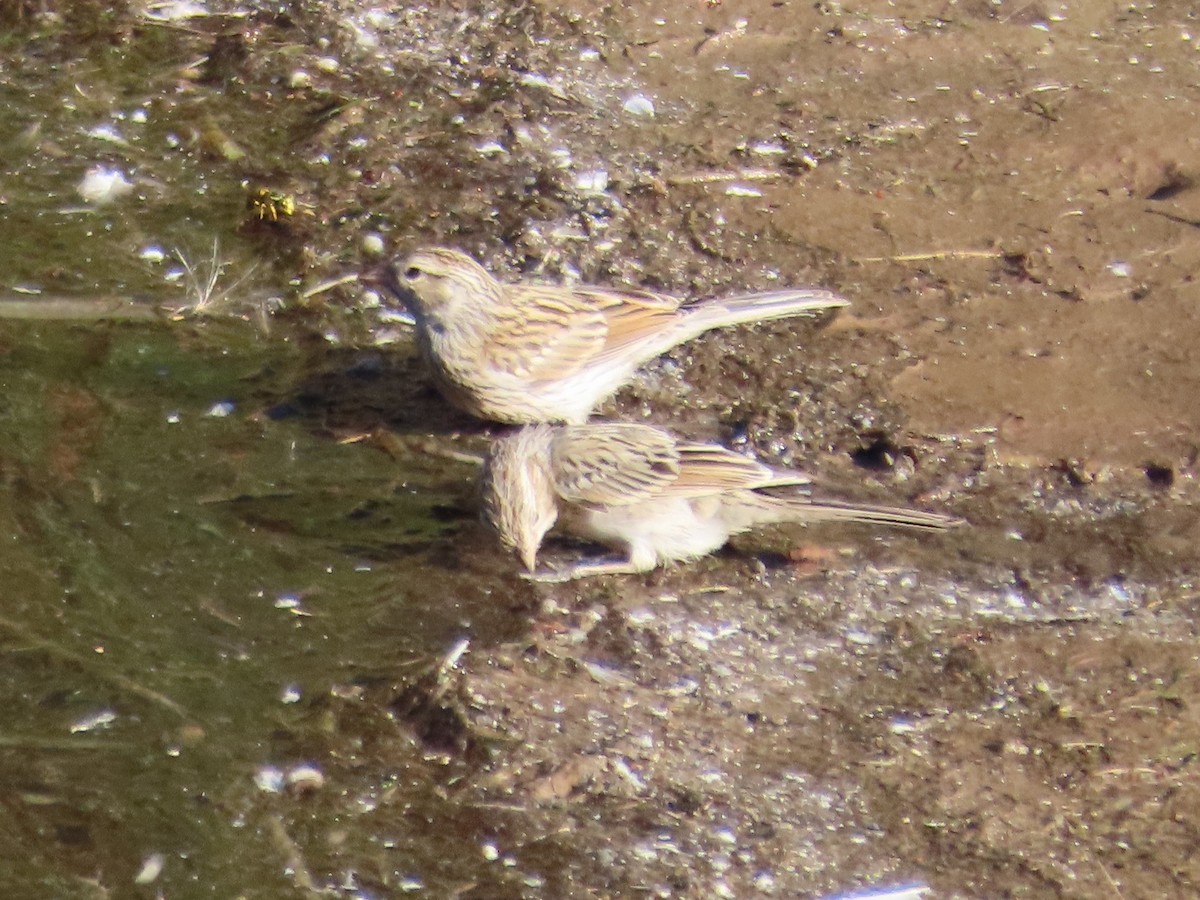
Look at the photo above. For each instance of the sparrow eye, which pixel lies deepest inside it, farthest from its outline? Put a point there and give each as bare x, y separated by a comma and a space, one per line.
412, 273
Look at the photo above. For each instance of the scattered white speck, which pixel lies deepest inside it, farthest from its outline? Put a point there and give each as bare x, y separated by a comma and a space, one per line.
380, 18
589, 54
103, 185
220, 410
173, 418
139, 116
1013, 600
304, 778
1118, 592
738, 190
622, 768
594, 181
269, 779
903, 892
299, 79
290, 694
490, 148
767, 148
411, 883
107, 133
101, 719
153, 253
174, 10
1120, 269
328, 64
534, 80
372, 244
640, 615
639, 105
152, 867
490, 852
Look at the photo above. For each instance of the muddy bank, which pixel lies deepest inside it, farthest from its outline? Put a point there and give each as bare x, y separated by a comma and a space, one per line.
244, 559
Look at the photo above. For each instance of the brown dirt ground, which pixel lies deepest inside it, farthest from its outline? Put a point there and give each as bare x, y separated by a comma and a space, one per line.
1008, 196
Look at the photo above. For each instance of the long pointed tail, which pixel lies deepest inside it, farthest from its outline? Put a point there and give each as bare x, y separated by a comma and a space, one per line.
719, 313
761, 509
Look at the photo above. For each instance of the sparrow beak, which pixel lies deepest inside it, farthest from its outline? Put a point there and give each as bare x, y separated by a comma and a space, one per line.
384, 277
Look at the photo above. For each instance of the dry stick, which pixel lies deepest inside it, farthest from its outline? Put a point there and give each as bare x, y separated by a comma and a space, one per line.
283, 841
73, 309
719, 177
21, 742
934, 254
329, 285
115, 678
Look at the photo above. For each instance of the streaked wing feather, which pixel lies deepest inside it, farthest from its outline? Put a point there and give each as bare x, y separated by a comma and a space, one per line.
613, 465
709, 469
547, 333
630, 315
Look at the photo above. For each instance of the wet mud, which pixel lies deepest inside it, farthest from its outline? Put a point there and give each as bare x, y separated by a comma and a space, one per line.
1007, 196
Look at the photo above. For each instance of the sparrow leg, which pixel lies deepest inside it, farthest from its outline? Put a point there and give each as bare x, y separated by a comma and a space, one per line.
582, 569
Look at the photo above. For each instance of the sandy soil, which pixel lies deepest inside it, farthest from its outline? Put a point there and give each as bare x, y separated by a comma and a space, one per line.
1007, 196
1007, 193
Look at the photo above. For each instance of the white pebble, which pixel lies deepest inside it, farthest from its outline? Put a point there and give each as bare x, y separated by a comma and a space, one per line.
594, 181
152, 867
639, 105
103, 185
372, 244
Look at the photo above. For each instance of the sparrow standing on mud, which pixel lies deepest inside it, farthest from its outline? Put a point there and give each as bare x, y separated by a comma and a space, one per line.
637, 488
522, 353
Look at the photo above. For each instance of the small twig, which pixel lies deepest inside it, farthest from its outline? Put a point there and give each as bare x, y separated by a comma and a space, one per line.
934, 254
88, 664
328, 286
718, 177
301, 877
73, 309
19, 742
396, 445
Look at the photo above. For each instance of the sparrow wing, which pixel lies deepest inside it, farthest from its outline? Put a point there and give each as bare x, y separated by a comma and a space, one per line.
544, 333
621, 464
710, 469
629, 314
613, 465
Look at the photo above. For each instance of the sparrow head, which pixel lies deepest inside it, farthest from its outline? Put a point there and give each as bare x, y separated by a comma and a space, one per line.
519, 500
437, 283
